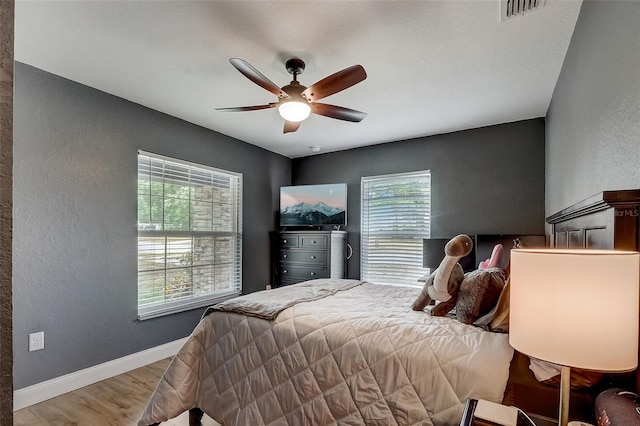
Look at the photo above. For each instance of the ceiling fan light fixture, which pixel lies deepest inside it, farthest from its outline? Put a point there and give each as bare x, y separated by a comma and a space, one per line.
294, 111
295, 101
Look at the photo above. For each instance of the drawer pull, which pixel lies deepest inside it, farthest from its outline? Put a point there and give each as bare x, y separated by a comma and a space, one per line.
313, 274
314, 241
313, 257
284, 241
284, 271
284, 256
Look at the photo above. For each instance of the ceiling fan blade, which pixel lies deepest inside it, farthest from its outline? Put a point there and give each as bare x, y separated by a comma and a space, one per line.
290, 126
257, 77
249, 108
335, 83
338, 112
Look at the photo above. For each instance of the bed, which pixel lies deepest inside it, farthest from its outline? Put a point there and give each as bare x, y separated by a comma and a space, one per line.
349, 352
328, 352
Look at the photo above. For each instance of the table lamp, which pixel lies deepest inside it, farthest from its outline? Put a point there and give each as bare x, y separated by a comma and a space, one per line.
575, 308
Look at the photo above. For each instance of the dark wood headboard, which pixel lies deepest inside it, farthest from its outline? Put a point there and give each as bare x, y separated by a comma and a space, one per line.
608, 220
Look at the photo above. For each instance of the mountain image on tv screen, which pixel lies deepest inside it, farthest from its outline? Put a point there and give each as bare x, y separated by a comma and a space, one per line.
313, 205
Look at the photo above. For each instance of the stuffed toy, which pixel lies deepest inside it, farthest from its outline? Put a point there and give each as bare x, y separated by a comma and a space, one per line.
494, 260
442, 285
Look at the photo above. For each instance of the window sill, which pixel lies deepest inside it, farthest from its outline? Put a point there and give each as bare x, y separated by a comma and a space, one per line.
161, 311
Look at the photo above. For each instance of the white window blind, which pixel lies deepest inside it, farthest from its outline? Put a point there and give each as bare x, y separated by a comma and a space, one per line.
396, 212
189, 235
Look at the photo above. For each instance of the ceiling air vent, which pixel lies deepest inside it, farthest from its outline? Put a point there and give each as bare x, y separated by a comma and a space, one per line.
511, 8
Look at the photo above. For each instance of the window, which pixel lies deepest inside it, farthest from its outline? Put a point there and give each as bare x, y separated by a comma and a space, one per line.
189, 235
396, 211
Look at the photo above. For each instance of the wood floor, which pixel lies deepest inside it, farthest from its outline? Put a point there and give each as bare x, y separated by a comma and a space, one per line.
118, 401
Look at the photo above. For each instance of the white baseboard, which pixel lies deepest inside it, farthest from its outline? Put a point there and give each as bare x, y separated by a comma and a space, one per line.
69, 382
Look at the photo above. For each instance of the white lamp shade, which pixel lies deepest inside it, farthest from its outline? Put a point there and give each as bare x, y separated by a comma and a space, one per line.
577, 308
294, 111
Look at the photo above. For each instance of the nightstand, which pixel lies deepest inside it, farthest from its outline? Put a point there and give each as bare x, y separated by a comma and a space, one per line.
468, 418
538, 420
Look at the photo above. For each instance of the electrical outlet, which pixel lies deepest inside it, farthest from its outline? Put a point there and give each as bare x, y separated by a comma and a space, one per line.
36, 341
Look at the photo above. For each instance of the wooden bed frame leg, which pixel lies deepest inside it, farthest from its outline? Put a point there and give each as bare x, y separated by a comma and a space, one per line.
195, 417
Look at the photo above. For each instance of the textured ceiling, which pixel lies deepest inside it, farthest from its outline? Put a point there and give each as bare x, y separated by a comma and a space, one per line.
433, 66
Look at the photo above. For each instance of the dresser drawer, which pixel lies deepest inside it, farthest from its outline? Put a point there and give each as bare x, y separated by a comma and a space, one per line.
302, 272
309, 257
288, 241
317, 241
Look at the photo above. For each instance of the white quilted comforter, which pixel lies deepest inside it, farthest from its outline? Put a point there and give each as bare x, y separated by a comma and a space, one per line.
359, 356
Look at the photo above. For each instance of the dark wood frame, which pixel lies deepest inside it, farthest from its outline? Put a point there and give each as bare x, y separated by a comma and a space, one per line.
608, 220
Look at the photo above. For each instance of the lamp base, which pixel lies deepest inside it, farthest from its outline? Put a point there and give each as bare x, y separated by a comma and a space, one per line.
565, 388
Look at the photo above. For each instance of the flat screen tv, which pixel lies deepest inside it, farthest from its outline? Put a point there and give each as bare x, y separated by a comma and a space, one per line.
313, 205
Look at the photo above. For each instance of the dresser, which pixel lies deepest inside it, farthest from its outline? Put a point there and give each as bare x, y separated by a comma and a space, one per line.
305, 255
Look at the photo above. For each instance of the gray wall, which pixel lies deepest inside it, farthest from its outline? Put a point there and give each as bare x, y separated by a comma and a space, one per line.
593, 122
75, 220
487, 180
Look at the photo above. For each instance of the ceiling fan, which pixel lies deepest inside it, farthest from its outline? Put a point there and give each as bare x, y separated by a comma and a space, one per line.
295, 101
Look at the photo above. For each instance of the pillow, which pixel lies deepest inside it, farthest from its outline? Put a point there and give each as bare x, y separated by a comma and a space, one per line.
497, 319
500, 321
478, 294
494, 260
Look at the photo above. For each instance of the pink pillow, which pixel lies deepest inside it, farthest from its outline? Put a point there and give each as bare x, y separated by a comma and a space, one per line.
494, 260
